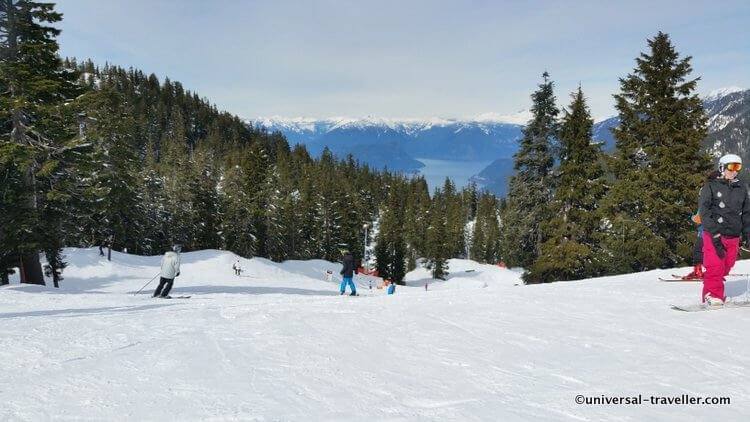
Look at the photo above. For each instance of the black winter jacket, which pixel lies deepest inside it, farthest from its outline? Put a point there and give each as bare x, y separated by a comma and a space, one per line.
725, 207
348, 270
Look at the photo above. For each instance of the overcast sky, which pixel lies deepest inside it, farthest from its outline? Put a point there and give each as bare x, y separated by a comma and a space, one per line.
402, 58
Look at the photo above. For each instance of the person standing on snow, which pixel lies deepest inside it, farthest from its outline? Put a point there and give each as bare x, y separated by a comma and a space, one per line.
697, 273
237, 268
170, 268
347, 273
725, 214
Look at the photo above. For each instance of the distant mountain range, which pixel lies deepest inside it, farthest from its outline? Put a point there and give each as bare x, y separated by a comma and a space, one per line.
397, 144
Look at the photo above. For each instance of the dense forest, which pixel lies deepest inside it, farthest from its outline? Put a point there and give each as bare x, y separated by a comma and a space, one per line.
99, 154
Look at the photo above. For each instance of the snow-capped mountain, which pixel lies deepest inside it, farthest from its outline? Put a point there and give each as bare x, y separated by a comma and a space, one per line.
729, 125
722, 92
729, 113
396, 142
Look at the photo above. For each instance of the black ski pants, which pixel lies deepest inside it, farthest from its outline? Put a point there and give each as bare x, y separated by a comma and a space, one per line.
698, 249
166, 285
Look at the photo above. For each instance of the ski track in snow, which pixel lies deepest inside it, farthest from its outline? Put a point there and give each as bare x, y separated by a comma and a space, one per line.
283, 345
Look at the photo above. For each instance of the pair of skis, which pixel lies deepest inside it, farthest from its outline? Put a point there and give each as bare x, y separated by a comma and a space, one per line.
704, 307
676, 278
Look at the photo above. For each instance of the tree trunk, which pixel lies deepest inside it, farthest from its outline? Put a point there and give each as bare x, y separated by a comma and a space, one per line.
31, 269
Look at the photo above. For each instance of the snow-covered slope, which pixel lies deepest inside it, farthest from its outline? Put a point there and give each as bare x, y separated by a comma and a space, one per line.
280, 344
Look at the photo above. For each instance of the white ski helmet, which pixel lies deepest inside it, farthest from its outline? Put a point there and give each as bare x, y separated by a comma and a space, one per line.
728, 158
177, 248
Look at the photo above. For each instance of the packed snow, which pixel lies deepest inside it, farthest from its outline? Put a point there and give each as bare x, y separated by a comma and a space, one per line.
279, 343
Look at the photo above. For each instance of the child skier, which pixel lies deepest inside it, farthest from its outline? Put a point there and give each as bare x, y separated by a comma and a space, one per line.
237, 268
725, 214
697, 273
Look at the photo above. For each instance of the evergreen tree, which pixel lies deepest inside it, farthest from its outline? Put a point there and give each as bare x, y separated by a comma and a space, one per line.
32, 117
571, 250
14, 162
485, 245
174, 167
390, 249
658, 162
113, 205
471, 196
308, 231
236, 215
352, 210
330, 208
531, 188
283, 214
438, 248
416, 221
155, 235
456, 219
204, 179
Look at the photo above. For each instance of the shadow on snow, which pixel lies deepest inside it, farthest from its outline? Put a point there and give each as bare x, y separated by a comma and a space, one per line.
83, 311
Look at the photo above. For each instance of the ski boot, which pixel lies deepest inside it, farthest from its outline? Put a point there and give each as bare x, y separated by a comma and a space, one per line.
712, 301
697, 273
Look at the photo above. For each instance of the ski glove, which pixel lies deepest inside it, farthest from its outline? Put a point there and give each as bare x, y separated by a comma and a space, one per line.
721, 252
178, 274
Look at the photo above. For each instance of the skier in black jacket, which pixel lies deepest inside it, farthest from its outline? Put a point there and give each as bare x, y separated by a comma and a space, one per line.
347, 273
725, 214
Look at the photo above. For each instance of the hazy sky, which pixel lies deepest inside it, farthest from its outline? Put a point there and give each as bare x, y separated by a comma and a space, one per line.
402, 58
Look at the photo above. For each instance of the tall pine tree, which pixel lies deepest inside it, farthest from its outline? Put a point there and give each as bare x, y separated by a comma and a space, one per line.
485, 245
113, 205
571, 250
658, 163
438, 246
34, 89
531, 188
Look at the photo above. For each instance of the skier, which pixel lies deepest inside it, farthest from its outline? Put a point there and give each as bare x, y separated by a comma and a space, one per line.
392, 288
170, 268
237, 268
347, 273
725, 213
697, 273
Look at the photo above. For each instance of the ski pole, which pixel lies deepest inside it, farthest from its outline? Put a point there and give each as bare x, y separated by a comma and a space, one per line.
144, 286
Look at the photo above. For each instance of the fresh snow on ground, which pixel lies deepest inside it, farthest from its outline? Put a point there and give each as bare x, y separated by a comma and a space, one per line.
279, 343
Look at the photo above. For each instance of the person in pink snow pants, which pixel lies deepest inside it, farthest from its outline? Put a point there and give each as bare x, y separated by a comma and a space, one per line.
725, 214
